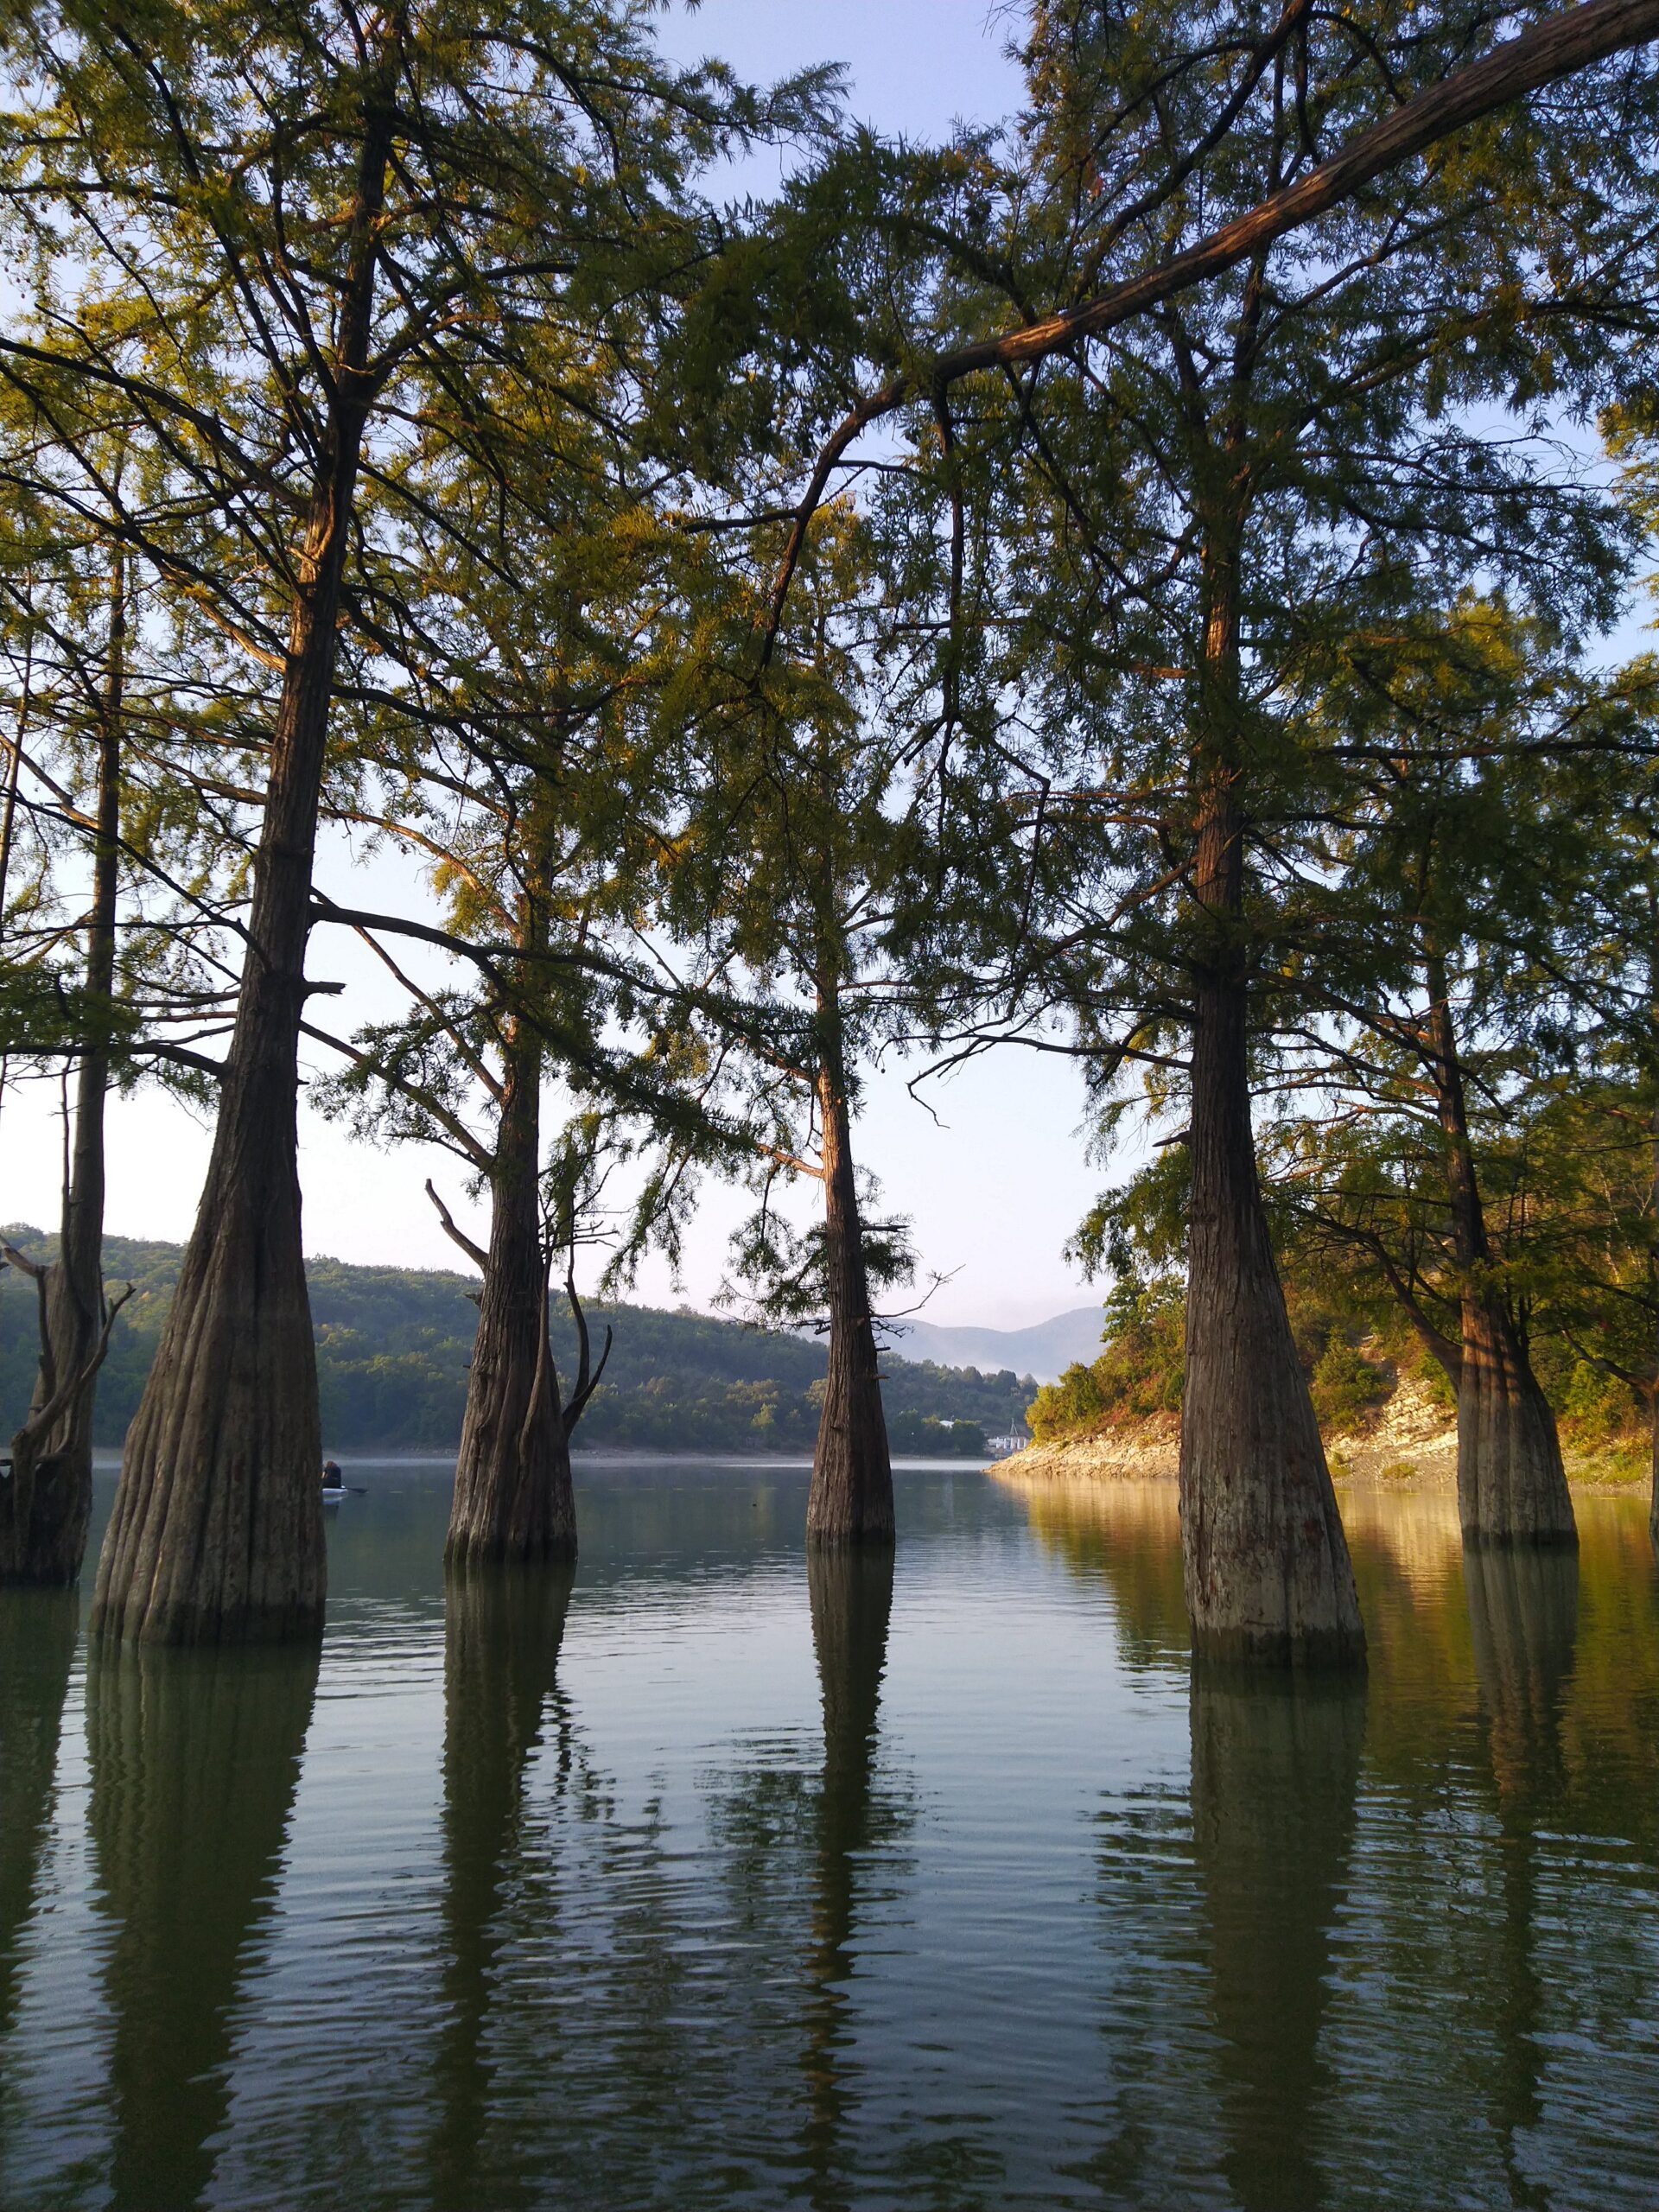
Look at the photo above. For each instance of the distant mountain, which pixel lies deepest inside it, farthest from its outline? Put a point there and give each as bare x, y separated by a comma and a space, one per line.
393, 1345
1044, 1350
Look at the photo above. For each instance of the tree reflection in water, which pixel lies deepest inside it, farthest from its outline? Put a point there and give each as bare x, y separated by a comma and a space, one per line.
503, 1629
195, 1757
1523, 1614
1275, 1778
37, 1644
851, 1595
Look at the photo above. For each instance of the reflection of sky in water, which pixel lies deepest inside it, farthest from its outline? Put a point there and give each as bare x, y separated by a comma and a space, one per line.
706, 1888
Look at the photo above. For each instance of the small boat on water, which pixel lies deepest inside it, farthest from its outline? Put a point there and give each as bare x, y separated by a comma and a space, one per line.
332, 1493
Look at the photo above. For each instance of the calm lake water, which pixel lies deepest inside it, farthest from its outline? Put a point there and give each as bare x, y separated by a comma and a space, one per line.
710, 1881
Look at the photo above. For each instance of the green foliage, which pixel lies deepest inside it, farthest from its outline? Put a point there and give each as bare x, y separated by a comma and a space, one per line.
1346, 1385
1596, 1408
1138, 1375
393, 1345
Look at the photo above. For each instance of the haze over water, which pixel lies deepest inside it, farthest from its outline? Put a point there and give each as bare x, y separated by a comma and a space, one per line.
707, 1881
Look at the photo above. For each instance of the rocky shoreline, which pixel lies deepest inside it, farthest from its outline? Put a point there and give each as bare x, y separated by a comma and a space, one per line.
1412, 1442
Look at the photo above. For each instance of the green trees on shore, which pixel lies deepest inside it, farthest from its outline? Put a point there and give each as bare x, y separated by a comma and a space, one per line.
1130, 584
394, 1343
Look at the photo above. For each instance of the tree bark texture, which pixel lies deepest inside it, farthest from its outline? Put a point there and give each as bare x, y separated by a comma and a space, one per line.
514, 1499
195, 1760
1266, 1566
851, 1498
1511, 1484
45, 1506
217, 1534
1268, 1573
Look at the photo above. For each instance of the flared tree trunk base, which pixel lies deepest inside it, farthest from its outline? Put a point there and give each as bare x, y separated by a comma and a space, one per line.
1267, 1574
45, 1505
852, 1486
514, 1503
1511, 1484
851, 1499
217, 1536
523, 1513
850, 1504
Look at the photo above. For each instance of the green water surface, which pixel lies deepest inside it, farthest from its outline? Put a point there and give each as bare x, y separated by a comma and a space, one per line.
709, 1878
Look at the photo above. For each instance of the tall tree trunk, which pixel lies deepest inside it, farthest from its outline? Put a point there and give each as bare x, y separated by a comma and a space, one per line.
217, 1534
1266, 1567
1511, 1484
45, 1506
851, 1498
513, 1496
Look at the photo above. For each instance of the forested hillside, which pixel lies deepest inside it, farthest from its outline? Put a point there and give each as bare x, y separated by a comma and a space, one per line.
393, 1345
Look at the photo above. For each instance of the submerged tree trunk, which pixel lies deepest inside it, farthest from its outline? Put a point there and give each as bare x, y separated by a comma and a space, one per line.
1266, 1567
217, 1533
1523, 1620
851, 1499
1511, 1484
1276, 1781
513, 1496
194, 1759
502, 1633
37, 1645
46, 1505
850, 1594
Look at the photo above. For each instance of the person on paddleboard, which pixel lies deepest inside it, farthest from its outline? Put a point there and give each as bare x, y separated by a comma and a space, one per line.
332, 1477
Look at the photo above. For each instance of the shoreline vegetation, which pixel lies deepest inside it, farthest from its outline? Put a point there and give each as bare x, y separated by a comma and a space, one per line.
1381, 1379
393, 1346
1410, 1441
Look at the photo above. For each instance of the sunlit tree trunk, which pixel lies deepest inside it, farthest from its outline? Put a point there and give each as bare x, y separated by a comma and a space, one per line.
851, 1498
1511, 1484
1266, 1566
217, 1534
513, 1497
